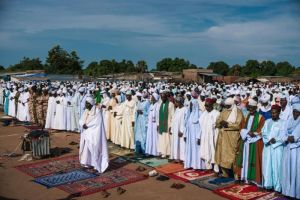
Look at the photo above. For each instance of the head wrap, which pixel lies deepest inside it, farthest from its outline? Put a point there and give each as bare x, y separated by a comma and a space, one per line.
265, 98
209, 100
296, 106
155, 96
128, 92
276, 107
90, 100
81, 89
229, 101
252, 102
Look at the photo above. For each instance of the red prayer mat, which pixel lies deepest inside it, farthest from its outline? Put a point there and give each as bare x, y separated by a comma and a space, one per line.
190, 174
105, 181
50, 166
169, 168
237, 192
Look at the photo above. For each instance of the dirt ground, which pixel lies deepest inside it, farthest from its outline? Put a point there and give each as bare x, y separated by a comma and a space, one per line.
17, 185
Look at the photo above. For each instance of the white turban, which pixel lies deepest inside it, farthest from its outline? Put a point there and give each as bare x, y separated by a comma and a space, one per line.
91, 100
138, 94
229, 101
156, 96
265, 98
81, 89
296, 106
252, 102
128, 92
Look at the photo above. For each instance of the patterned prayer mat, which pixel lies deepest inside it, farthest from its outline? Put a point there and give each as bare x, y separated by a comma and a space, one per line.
169, 168
64, 178
120, 152
213, 183
245, 192
107, 180
51, 166
191, 174
116, 163
153, 162
272, 196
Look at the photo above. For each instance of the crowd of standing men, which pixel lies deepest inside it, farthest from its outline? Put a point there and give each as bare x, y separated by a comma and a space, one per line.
246, 130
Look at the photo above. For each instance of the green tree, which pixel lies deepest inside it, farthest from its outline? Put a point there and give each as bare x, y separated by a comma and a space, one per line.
2, 68
252, 68
284, 69
59, 61
174, 65
27, 64
235, 70
268, 68
219, 67
141, 66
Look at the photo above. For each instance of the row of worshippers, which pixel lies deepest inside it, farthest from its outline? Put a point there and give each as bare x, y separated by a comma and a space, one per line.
242, 136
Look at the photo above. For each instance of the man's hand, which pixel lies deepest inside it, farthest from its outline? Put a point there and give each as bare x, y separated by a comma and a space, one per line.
57, 102
251, 134
132, 124
115, 114
180, 134
184, 139
23, 104
272, 141
84, 126
291, 139
69, 103
198, 141
103, 106
109, 107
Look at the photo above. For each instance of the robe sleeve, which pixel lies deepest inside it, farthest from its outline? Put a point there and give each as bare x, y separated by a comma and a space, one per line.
265, 135
219, 119
296, 134
280, 137
244, 133
182, 122
171, 114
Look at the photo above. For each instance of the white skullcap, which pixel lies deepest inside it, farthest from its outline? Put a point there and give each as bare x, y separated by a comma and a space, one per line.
229, 101
252, 102
296, 106
90, 100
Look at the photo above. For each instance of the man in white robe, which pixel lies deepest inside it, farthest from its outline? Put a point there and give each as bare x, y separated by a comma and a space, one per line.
51, 109
60, 112
209, 135
165, 115
177, 130
152, 134
286, 110
93, 151
127, 111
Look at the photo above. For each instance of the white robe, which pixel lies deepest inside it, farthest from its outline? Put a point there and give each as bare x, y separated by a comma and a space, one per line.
177, 143
60, 114
127, 111
12, 105
93, 149
209, 138
50, 117
152, 135
287, 113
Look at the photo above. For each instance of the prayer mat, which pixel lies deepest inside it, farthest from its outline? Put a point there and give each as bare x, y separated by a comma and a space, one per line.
105, 181
134, 157
272, 196
153, 162
191, 174
120, 152
237, 192
169, 168
64, 178
116, 163
50, 166
213, 183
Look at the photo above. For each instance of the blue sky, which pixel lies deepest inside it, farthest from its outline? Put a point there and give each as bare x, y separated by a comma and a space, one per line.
200, 31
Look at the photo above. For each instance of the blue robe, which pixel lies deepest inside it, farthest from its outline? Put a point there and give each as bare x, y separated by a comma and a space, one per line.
140, 126
192, 133
272, 154
6, 101
291, 161
266, 115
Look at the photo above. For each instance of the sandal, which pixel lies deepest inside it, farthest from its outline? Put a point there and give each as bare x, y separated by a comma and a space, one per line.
105, 194
120, 190
140, 169
177, 186
162, 178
